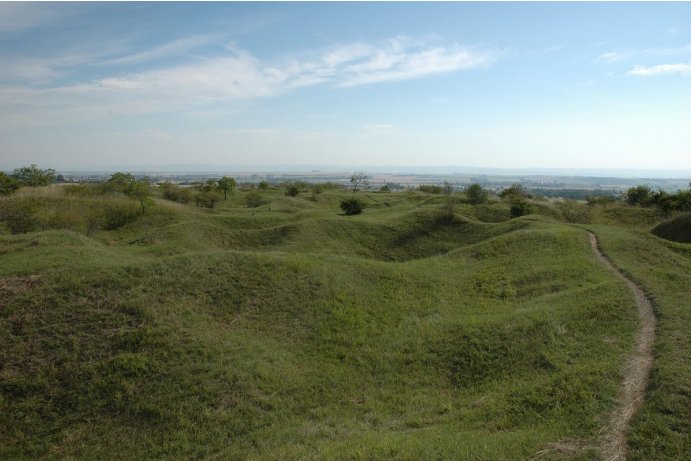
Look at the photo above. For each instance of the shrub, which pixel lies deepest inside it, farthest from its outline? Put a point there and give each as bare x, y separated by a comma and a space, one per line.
176, 193
476, 194
352, 206
430, 188
34, 176
253, 199
574, 212
520, 208
513, 192
18, 215
638, 195
292, 190
263, 185
207, 198
8, 184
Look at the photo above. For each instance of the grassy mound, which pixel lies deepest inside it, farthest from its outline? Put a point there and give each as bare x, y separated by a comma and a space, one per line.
677, 229
291, 331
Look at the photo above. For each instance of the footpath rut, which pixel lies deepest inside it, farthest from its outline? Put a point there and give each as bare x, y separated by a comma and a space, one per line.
613, 445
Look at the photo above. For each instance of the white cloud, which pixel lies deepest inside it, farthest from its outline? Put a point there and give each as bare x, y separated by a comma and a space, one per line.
661, 69
176, 47
196, 84
380, 128
627, 54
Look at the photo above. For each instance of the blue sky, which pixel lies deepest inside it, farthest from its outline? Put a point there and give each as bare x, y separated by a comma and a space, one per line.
554, 85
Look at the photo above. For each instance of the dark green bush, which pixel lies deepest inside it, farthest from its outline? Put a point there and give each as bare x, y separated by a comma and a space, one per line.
19, 215
520, 208
352, 206
292, 190
253, 199
430, 188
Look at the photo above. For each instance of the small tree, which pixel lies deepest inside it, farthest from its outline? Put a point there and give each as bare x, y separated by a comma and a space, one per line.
359, 180
514, 192
8, 184
119, 182
33, 175
263, 185
639, 195
448, 188
227, 184
476, 194
207, 194
139, 190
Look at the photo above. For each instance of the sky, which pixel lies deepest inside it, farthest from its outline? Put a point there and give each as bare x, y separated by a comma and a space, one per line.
88, 86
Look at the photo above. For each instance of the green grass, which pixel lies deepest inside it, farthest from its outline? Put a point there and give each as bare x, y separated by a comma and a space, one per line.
291, 331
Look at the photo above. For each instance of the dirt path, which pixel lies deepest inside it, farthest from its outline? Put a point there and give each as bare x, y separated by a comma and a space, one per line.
636, 371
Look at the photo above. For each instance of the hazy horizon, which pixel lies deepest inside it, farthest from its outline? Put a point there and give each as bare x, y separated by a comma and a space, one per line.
554, 86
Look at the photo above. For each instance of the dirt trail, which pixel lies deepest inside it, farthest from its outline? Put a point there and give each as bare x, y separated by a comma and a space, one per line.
636, 371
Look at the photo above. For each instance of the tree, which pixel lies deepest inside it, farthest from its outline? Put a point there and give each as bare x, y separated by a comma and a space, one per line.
448, 188
207, 194
227, 184
139, 190
8, 184
514, 192
476, 194
639, 195
34, 176
119, 182
359, 180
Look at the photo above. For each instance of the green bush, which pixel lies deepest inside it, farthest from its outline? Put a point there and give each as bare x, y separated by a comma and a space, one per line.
207, 199
19, 215
476, 194
253, 199
352, 206
8, 184
430, 188
574, 212
292, 190
520, 208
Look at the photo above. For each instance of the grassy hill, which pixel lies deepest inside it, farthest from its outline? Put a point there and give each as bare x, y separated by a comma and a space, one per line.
291, 331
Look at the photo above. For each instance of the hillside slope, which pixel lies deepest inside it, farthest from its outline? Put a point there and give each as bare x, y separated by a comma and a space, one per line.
289, 333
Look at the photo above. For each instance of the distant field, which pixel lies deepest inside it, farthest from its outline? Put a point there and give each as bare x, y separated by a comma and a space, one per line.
291, 331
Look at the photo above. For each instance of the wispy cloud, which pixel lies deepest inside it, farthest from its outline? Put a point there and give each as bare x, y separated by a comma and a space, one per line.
176, 47
628, 54
196, 82
380, 128
19, 16
661, 69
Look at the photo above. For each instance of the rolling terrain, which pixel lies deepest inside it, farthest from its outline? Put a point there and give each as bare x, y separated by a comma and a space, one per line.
291, 331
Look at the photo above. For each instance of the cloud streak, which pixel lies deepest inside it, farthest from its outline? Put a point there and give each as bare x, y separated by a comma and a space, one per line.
661, 69
628, 54
236, 74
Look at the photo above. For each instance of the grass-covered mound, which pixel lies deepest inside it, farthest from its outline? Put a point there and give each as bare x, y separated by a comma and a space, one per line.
677, 229
291, 331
